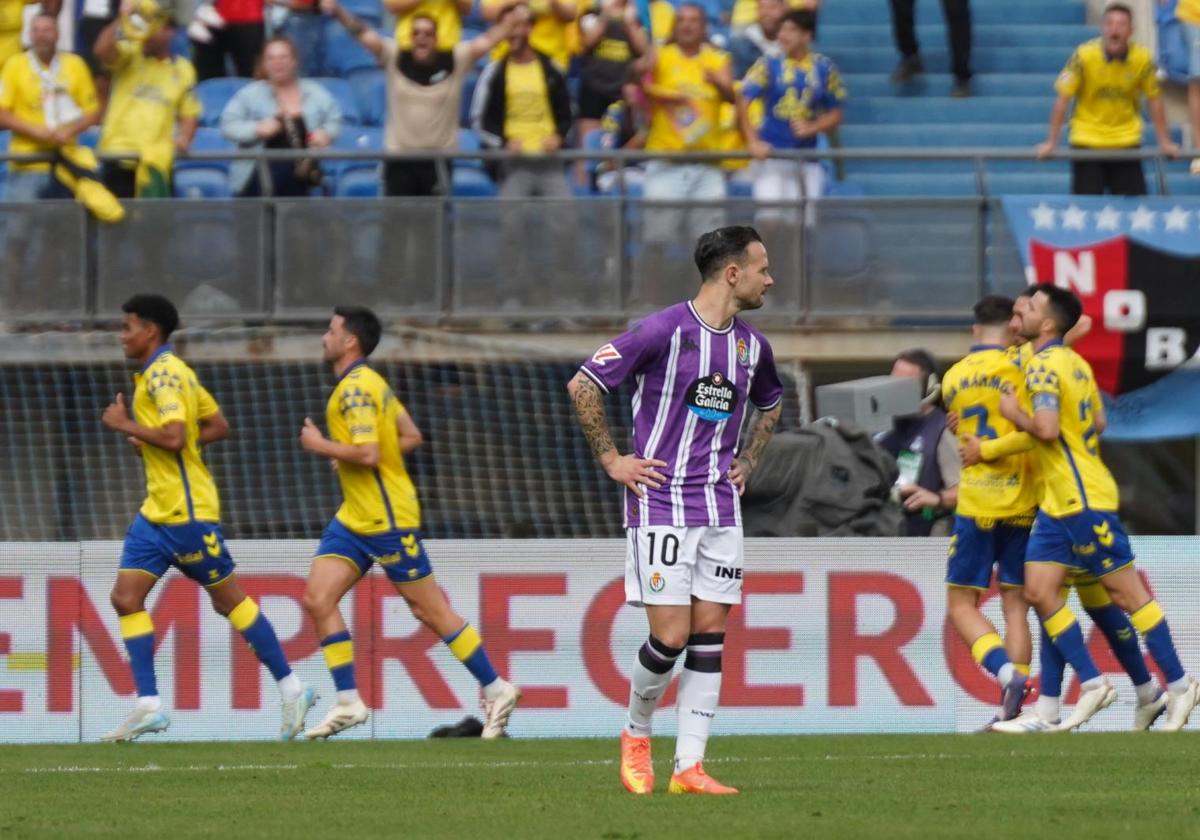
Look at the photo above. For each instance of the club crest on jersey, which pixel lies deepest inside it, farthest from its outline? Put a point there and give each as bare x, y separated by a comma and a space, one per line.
657, 582
607, 353
743, 353
712, 398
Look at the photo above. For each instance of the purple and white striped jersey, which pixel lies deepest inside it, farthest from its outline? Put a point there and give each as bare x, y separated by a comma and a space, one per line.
693, 384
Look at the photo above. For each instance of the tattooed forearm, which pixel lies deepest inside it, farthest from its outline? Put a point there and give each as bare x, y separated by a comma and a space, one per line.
589, 407
760, 434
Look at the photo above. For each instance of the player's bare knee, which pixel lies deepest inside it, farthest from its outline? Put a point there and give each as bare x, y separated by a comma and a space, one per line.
126, 603
316, 603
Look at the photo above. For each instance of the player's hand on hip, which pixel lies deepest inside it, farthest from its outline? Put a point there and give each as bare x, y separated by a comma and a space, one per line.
969, 451
311, 438
739, 474
636, 473
115, 416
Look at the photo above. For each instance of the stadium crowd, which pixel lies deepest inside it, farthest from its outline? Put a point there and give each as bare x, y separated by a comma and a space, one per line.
529, 77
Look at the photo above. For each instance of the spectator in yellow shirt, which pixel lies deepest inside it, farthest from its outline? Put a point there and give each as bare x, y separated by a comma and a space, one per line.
47, 99
551, 21
152, 110
686, 86
447, 15
1107, 77
1188, 12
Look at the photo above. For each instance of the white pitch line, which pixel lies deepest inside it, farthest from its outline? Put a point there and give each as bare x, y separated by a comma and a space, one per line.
463, 765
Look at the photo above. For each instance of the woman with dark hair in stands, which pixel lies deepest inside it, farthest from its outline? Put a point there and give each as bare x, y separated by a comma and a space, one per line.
280, 111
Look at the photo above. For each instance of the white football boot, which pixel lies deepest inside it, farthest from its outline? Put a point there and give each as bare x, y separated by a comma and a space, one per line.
1025, 723
496, 712
1089, 703
1179, 706
139, 722
1146, 713
340, 716
292, 712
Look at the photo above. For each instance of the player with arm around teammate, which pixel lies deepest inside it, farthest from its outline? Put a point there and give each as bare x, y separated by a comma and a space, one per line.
1077, 527
178, 524
379, 522
996, 504
697, 367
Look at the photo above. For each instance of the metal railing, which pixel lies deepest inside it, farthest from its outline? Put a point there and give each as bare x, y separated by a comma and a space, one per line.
886, 259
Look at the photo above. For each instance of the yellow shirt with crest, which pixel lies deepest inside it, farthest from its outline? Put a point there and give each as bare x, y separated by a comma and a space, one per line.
1108, 95
1005, 488
148, 96
696, 124
527, 115
376, 500
179, 487
50, 96
1072, 474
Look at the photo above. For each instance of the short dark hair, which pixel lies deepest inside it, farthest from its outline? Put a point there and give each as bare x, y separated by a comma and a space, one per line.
154, 309
1119, 7
993, 311
717, 248
363, 324
806, 19
923, 359
1063, 306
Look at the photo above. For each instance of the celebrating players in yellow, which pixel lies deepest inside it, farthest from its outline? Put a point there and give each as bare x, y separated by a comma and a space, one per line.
178, 525
996, 505
1077, 527
379, 522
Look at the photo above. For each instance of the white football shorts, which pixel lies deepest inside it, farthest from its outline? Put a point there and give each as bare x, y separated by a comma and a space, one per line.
667, 566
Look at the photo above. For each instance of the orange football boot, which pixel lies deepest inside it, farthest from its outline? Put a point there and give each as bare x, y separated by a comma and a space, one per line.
637, 773
695, 780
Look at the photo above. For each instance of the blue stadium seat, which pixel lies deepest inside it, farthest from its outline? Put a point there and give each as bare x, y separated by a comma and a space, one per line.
739, 188
91, 137
214, 94
204, 178
4, 135
370, 92
468, 141
341, 90
351, 176
471, 183
201, 182
343, 54
358, 183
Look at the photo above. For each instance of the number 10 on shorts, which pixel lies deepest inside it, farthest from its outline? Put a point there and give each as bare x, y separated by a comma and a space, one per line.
668, 566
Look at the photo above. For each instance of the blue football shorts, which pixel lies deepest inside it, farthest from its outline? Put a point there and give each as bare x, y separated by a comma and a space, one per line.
1091, 541
195, 548
979, 545
401, 552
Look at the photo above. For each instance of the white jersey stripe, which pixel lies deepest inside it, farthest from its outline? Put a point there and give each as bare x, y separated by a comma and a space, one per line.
660, 417
684, 452
714, 452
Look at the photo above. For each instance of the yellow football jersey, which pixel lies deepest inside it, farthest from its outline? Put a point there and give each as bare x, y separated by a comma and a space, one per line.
1007, 486
179, 487
51, 96
1073, 476
1108, 95
148, 96
363, 409
696, 124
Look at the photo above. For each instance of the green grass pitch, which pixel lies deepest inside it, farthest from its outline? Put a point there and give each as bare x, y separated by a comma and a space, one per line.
965, 786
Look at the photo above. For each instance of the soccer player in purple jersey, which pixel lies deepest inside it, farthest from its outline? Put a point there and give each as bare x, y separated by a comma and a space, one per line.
695, 367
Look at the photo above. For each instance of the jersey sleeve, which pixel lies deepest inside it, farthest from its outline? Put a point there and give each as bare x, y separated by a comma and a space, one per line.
1067, 83
755, 80
1044, 386
621, 358
766, 390
206, 405
1148, 82
83, 88
165, 389
360, 409
8, 85
189, 105
833, 94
